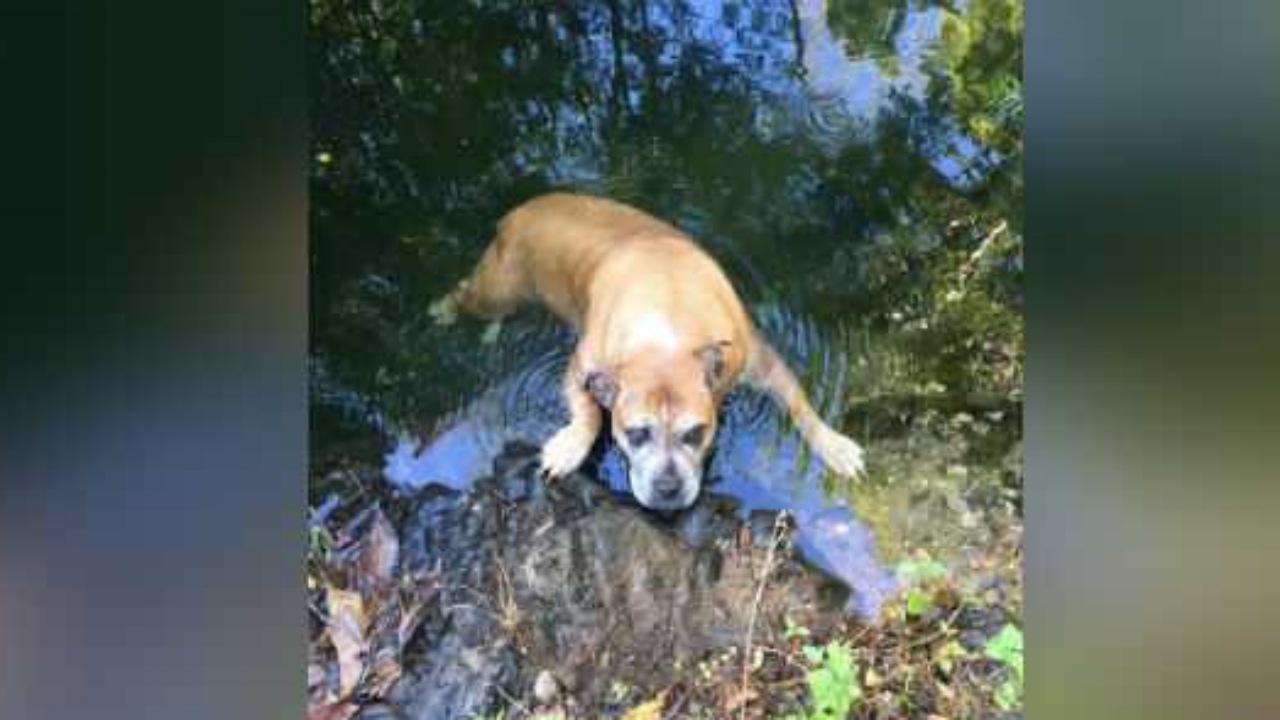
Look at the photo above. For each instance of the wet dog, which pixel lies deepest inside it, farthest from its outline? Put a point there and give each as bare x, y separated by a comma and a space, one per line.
662, 337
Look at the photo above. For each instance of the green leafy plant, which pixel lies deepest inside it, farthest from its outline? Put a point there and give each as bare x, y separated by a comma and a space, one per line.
918, 602
920, 570
792, 630
833, 684
946, 657
919, 573
1006, 647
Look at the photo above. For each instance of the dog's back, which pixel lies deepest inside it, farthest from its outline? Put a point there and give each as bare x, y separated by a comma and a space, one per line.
556, 242
580, 220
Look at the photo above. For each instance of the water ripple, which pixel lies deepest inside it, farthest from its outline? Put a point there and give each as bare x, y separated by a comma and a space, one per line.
759, 460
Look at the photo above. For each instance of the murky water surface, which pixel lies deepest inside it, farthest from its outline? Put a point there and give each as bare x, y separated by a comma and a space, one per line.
788, 137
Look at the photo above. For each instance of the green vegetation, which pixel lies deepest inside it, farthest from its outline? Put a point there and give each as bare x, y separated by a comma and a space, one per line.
944, 661
833, 686
1007, 648
920, 570
921, 576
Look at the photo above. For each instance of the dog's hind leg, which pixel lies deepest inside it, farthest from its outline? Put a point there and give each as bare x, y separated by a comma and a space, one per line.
768, 372
493, 290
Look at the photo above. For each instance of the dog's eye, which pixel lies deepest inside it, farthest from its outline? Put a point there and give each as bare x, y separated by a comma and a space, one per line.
693, 436
638, 436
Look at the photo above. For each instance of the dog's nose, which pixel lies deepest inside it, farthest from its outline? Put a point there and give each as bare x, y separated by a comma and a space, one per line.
668, 486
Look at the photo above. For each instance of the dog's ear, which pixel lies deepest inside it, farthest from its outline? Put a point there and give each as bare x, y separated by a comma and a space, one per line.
602, 385
715, 368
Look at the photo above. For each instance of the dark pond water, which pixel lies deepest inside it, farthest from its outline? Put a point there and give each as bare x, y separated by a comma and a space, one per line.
812, 146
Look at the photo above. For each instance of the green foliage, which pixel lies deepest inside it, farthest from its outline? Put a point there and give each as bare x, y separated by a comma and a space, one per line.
918, 602
319, 541
921, 570
948, 654
792, 630
833, 685
918, 573
1006, 647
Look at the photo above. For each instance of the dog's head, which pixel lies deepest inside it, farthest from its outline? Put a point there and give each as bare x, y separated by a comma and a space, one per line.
663, 419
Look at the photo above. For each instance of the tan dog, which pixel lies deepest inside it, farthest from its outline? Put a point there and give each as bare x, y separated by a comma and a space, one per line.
662, 338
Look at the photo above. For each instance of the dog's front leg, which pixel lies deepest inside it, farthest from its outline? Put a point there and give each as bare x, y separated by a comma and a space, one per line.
768, 372
566, 450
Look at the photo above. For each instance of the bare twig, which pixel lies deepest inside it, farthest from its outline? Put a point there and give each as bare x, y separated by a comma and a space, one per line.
984, 248
513, 702
320, 615
780, 525
676, 707
945, 630
508, 611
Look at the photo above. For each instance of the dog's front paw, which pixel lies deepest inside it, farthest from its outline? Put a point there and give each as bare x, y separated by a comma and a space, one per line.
445, 310
565, 451
840, 453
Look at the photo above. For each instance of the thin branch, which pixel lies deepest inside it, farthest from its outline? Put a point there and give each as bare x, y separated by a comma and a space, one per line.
780, 524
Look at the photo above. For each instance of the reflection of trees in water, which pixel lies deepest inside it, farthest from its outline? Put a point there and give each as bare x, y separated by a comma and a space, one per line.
868, 26
463, 98
438, 117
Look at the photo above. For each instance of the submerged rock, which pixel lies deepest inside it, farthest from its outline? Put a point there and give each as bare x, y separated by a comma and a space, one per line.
568, 578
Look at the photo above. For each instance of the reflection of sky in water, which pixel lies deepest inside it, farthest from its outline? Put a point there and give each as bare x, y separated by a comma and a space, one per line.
836, 98
759, 460
858, 83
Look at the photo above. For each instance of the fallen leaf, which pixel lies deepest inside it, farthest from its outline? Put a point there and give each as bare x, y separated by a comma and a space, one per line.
379, 553
316, 677
334, 711
384, 673
347, 626
737, 699
413, 610
651, 710
945, 691
410, 620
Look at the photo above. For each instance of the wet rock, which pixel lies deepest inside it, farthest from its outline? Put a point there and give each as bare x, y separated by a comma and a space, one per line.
566, 578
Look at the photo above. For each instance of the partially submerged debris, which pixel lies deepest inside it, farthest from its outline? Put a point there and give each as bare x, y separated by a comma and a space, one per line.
521, 600
366, 611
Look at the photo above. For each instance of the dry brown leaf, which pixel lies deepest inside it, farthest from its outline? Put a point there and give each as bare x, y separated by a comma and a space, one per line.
316, 677
334, 711
379, 553
651, 710
738, 698
370, 617
410, 619
347, 626
384, 672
